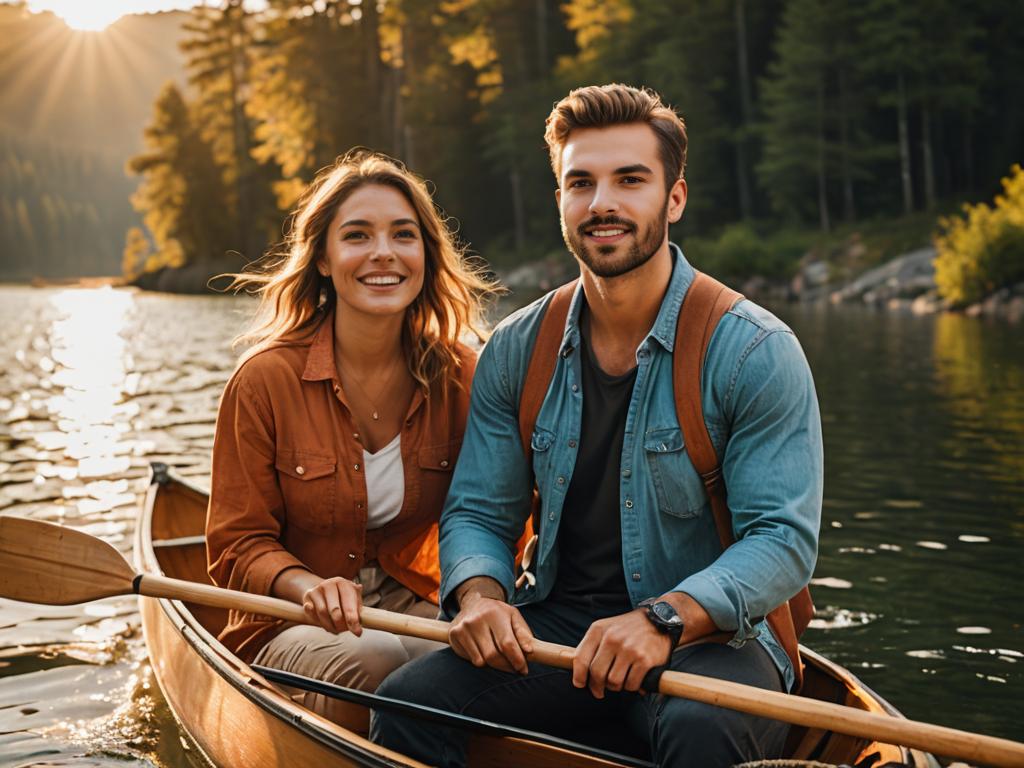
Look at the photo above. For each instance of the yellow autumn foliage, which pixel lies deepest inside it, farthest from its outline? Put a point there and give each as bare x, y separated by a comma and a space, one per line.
983, 250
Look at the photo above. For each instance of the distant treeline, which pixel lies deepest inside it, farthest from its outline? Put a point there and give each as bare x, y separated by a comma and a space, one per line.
59, 206
800, 112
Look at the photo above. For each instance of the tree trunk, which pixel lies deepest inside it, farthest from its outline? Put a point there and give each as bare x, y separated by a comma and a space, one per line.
541, 18
246, 225
926, 157
905, 175
849, 209
518, 210
398, 133
968, 154
822, 180
742, 66
370, 23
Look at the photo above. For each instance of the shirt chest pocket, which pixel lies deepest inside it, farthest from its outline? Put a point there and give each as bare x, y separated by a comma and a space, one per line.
435, 464
677, 485
309, 487
540, 445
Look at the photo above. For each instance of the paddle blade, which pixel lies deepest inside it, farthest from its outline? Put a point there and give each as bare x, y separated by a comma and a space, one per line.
46, 563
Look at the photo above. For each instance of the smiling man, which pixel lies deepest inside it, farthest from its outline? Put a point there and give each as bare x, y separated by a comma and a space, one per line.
631, 567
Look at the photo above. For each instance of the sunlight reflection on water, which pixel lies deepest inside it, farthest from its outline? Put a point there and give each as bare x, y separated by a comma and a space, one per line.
87, 342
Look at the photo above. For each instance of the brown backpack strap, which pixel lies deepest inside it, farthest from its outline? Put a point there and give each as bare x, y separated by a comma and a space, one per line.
535, 388
705, 303
542, 362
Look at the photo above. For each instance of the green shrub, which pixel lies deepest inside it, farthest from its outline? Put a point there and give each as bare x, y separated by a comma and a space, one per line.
983, 250
741, 252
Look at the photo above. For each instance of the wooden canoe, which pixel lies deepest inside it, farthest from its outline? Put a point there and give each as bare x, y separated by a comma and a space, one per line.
235, 717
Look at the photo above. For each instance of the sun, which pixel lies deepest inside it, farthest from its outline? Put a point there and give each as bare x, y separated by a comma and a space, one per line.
90, 15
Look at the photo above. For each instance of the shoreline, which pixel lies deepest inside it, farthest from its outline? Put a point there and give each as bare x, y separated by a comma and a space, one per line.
905, 284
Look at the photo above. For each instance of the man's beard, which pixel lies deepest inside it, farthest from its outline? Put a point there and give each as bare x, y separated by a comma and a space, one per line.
638, 254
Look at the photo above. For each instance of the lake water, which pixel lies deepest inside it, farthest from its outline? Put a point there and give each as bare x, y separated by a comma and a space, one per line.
917, 585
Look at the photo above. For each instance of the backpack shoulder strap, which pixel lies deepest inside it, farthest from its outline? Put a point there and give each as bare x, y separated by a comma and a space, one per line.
542, 362
706, 301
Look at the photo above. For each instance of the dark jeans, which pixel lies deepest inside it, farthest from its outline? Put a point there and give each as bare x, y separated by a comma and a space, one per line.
672, 731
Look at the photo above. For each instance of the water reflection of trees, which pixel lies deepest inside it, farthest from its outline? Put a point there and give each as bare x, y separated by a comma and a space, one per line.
981, 373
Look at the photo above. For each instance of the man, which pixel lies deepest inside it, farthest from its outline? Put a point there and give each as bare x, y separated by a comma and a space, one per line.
624, 517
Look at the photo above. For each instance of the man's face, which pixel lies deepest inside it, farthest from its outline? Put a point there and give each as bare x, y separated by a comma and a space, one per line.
612, 200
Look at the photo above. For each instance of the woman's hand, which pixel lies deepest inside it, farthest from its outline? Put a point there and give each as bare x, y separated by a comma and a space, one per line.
334, 604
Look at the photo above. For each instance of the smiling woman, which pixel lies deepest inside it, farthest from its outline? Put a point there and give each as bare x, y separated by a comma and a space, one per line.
338, 433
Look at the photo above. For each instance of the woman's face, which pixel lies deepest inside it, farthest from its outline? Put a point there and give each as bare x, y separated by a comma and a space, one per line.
375, 252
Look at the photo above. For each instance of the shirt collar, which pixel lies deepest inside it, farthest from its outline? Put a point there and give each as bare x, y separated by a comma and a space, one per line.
664, 328
320, 359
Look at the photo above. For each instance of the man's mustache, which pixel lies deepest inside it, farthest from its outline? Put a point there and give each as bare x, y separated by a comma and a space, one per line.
598, 221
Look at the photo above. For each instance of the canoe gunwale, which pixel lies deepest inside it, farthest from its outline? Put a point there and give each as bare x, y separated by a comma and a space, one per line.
232, 670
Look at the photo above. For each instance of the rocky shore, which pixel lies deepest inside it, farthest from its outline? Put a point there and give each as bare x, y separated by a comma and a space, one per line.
907, 283
904, 284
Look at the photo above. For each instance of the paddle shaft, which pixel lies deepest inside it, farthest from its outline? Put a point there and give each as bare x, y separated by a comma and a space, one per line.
797, 710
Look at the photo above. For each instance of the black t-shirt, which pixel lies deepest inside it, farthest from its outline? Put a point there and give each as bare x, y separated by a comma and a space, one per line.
590, 531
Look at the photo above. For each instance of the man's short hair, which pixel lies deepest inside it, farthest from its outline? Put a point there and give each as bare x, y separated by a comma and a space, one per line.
601, 106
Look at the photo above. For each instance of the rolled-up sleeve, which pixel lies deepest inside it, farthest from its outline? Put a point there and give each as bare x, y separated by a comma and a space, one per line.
489, 498
246, 511
773, 470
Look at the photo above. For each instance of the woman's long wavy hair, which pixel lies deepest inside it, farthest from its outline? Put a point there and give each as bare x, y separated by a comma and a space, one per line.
295, 298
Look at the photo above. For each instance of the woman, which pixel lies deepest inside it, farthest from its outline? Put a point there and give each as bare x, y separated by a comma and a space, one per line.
338, 431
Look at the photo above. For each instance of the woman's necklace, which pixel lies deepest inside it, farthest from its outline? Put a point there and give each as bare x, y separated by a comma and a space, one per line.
375, 414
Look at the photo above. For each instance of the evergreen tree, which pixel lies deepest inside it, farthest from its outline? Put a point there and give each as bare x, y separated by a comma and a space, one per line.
182, 195
317, 88
220, 48
813, 119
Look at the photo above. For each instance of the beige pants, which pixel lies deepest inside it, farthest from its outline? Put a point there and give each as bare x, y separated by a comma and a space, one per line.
344, 659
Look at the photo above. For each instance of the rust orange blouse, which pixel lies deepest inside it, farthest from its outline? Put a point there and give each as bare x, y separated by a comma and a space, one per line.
289, 488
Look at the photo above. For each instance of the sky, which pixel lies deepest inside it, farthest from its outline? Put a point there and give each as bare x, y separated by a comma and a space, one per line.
97, 14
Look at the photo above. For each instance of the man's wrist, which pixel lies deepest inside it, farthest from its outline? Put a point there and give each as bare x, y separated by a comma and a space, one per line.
471, 590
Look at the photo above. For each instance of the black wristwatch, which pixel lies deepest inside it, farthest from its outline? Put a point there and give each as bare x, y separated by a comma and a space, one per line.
664, 617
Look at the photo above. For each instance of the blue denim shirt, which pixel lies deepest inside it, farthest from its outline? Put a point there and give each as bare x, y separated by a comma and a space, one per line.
761, 412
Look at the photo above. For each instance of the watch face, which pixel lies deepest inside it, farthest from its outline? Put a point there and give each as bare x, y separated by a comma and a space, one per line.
666, 613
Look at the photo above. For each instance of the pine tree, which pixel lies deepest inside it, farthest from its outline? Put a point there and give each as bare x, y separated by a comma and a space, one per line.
220, 50
182, 195
813, 128
317, 88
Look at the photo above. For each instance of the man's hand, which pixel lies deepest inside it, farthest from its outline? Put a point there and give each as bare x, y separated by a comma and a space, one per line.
488, 631
616, 653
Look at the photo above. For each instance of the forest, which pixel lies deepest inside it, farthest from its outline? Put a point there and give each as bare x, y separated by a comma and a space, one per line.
806, 118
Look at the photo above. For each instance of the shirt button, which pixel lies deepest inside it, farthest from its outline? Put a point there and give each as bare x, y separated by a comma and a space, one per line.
627, 472
359, 505
355, 467
300, 470
561, 480
551, 516
355, 435
351, 555
575, 388
636, 577
444, 462
572, 443
629, 503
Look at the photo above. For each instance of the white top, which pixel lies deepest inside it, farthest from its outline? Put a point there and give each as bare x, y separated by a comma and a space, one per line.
385, 483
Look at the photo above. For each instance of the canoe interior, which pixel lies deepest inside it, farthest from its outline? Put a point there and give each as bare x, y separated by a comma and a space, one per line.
175, 521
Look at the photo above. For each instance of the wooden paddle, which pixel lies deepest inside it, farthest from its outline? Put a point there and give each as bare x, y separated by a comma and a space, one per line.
51, 564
